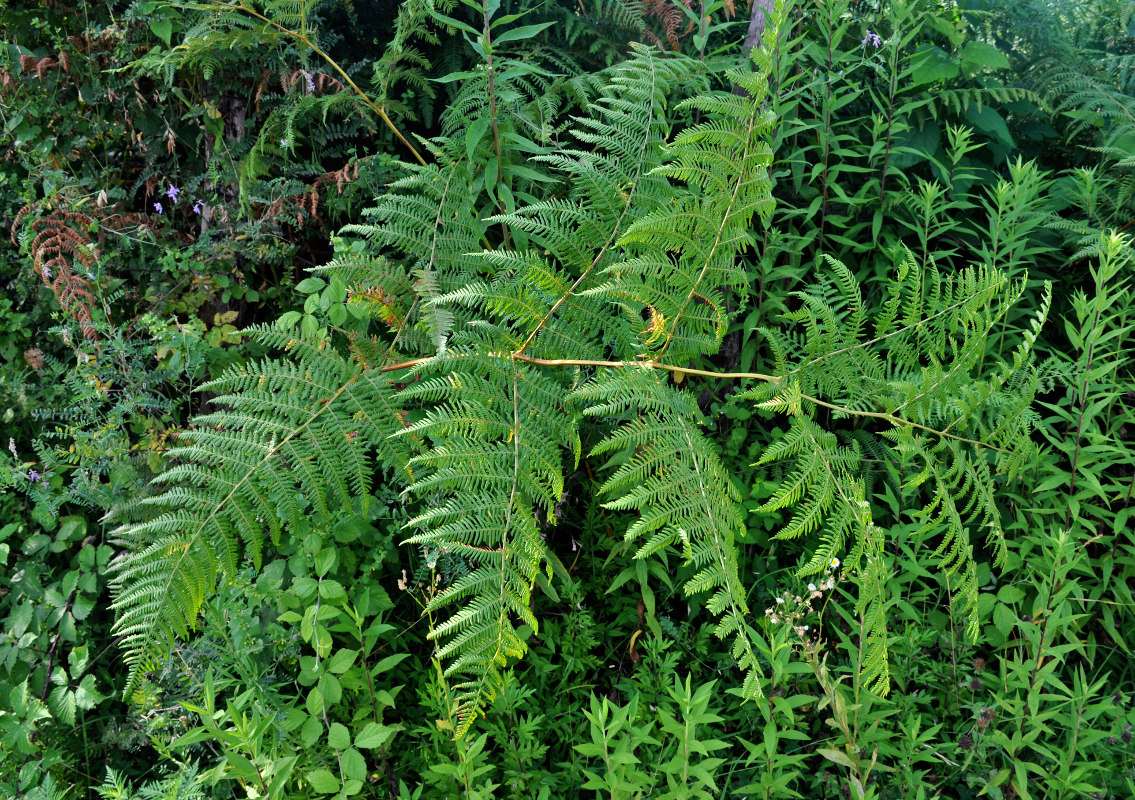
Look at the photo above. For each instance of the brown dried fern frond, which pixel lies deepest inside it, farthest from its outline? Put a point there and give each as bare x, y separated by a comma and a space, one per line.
39, 66
58, 242
670, 15
310, 82
315, 83
57, 245
340, 177
64, 255
87, 43
261, 88
308, 202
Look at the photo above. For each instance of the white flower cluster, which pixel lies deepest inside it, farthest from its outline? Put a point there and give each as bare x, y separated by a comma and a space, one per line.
791, 609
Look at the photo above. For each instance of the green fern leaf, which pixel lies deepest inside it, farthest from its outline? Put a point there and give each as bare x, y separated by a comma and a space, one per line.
682, 493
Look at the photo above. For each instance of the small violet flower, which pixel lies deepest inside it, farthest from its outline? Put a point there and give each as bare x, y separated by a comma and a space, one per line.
172, 192
310, 82
285, 143
47, 272
158, 207
12, 448
873, 39
34, 476
198, 207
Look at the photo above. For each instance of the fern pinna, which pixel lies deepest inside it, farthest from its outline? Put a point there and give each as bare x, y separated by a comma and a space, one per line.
285, 450
918, 370
620, 275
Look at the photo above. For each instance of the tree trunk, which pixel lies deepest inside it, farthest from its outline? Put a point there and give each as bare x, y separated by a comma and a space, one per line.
761, 11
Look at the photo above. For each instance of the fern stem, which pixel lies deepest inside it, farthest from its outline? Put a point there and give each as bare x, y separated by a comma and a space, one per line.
587, 362
652, 364
858, 345
302, 37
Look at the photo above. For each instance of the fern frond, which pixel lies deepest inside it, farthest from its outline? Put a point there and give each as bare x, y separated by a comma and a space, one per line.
428, 215
926, 364
613, 182
291, 445
871, 608
499, 434
682, 493
619, 264
689, 247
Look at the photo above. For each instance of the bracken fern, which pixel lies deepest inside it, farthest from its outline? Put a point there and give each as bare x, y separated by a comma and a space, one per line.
623, 271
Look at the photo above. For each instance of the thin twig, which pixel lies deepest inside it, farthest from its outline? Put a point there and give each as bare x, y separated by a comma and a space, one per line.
319, 52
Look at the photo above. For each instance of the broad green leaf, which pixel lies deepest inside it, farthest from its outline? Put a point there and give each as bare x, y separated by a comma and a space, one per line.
523, 32
341, 661
332, 591
163, 29
323, 781
310, 285
451, 22
978, 55
338, 736
354, 765
932, 65
374, 735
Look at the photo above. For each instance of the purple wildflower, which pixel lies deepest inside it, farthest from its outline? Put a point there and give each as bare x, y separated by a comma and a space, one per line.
158, 207
198, 207
172, 192
285, 143
47, 272
310, 82
12, 448
34, 476
872, 39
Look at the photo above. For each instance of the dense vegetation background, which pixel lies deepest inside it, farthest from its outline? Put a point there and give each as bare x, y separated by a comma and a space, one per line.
318, 267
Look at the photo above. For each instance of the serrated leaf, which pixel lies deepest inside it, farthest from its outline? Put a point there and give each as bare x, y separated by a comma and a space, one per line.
323, 781
338, 737
375, 735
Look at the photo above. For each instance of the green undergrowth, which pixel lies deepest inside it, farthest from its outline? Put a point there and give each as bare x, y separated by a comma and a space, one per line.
494, 399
